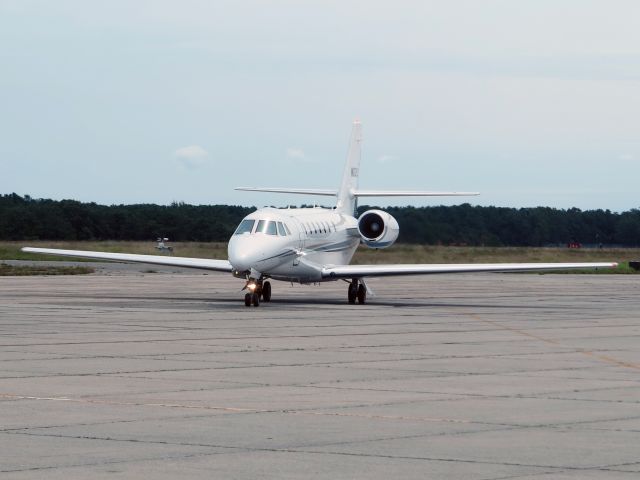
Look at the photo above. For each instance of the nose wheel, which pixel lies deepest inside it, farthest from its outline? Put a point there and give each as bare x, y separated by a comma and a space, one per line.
356, 291
251, 299
260, 290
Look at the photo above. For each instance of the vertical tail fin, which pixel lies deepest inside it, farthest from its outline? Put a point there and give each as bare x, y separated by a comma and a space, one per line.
346, 198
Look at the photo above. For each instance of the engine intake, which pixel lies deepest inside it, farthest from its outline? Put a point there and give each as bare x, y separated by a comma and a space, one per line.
378, 229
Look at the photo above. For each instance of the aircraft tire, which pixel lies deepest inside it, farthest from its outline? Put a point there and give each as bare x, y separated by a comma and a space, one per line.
247, 300
352, 293
266, 292
362, 294
255, 299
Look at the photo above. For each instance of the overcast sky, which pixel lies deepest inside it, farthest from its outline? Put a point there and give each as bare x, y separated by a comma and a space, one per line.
530, 102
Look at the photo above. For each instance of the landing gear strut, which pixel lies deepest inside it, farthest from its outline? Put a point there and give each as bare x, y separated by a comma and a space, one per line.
259, 289
357, 291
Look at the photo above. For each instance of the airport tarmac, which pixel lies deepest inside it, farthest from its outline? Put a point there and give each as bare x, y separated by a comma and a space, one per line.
127, 374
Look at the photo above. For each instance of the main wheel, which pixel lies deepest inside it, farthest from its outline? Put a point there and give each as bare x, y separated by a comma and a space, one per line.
362, 294
352, 293
266, 292
247, 300
255, 299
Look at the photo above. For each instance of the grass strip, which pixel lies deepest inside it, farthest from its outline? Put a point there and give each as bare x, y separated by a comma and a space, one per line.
30, 270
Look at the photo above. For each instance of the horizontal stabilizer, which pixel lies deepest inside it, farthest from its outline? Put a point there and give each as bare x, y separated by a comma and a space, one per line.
359, 193
200, 263
301, 191
410, 193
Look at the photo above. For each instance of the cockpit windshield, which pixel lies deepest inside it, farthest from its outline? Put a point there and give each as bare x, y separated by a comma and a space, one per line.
267, 226
246, 226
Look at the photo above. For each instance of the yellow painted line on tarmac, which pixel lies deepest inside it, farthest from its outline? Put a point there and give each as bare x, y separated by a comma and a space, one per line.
588, 353
9, 396
386, 417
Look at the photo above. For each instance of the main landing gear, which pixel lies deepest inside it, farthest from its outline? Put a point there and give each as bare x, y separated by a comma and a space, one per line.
258, 289
358, 291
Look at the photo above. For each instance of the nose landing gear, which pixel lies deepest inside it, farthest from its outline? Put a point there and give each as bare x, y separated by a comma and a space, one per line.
259, 289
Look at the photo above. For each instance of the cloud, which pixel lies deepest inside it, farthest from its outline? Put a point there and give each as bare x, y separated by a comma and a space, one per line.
297, 154
192, 156
386, 159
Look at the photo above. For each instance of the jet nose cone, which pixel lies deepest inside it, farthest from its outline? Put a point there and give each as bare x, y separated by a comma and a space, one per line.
240, 253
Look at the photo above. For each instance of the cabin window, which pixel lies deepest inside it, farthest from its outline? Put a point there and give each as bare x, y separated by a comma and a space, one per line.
281, 230
267, 226
246, 226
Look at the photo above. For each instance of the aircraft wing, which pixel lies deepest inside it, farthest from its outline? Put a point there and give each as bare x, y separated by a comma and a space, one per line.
358, 271
200, 263
302, 191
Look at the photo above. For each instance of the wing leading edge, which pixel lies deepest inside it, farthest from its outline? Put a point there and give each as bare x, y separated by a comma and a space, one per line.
200, 263
357, 271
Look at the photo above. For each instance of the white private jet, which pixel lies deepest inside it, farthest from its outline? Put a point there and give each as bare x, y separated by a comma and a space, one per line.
310, 245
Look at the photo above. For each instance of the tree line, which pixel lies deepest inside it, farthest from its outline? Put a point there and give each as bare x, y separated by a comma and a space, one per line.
26, 218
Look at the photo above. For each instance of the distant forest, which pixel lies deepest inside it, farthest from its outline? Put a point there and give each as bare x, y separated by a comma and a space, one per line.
25, 218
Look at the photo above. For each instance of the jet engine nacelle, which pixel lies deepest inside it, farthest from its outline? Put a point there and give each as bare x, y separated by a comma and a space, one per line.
378, 229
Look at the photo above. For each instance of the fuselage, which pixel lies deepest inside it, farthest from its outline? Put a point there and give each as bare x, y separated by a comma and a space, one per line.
292, 244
